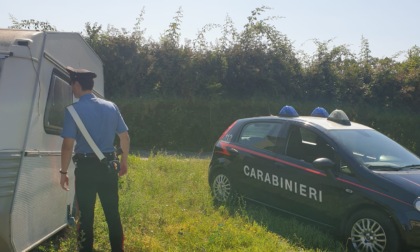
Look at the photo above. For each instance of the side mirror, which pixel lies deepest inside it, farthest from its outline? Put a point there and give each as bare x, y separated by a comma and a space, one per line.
323, 163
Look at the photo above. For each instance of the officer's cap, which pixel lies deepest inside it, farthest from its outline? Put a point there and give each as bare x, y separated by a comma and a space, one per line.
79, 74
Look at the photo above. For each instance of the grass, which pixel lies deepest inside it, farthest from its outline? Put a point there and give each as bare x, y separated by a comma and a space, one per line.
166, 205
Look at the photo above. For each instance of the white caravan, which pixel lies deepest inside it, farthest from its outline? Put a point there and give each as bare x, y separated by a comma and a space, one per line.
34, 91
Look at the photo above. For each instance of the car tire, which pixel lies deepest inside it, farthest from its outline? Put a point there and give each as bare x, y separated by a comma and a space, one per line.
370, 230
221, 187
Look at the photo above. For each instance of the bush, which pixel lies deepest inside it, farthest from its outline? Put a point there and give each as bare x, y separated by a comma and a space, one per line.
195, 125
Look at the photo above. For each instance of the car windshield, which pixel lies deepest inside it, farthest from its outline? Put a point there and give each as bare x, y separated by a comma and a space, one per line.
375, 150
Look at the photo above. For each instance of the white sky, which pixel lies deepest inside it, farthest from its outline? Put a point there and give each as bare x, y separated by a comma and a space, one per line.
389, 26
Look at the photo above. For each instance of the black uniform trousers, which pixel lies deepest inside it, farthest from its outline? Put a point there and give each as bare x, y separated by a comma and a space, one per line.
93, 178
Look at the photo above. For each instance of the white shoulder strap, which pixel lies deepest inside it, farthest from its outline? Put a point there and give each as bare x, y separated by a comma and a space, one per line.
85, 133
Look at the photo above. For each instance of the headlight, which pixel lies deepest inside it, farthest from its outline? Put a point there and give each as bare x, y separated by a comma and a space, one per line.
417, 204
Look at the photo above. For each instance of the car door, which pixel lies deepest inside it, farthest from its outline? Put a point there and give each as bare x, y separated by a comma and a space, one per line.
258, 144
309, 192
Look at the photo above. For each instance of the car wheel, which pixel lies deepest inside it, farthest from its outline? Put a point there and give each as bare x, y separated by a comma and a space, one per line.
372, 231
221, 187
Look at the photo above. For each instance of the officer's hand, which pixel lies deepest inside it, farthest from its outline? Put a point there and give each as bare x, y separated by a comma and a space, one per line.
123, 169
64, 182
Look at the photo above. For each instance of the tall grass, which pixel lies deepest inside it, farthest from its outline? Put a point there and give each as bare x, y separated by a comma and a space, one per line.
166, 205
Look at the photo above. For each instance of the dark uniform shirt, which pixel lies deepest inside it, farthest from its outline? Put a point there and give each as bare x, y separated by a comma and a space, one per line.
101, 118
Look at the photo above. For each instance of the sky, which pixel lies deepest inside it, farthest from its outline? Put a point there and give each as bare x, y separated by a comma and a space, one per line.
389, 26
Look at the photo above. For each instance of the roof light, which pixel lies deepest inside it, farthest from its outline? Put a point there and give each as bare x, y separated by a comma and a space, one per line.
340, 117
288, 111
320, 112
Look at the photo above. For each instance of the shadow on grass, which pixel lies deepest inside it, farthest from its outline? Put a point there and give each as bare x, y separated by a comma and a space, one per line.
300, 232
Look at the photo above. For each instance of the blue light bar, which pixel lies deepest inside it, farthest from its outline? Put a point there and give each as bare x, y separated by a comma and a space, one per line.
320, 112
288, 111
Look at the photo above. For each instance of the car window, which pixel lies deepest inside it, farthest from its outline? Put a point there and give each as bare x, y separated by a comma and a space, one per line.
263, 135
374, 150
307, 145
344, 167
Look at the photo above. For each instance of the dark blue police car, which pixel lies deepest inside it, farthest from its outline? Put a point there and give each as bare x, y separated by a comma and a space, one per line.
323, 168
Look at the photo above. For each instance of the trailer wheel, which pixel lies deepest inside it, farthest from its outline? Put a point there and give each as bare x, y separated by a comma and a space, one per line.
370, 230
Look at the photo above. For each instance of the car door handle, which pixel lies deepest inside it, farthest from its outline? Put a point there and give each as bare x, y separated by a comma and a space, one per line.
232, 150
349, 190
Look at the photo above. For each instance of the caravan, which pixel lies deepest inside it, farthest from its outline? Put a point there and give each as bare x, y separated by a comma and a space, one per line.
34, 92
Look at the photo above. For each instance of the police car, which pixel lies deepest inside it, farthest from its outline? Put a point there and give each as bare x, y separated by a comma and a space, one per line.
323, 168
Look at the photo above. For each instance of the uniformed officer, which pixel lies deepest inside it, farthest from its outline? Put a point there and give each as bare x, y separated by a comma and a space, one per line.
103, 121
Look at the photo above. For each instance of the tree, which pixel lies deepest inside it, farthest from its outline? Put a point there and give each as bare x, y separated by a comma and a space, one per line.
120, 55
262, 61
325, 71
138, 33
409, 76
31, 24
172, 35
385, 87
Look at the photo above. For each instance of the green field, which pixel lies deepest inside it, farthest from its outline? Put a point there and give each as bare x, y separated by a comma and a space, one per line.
166, 205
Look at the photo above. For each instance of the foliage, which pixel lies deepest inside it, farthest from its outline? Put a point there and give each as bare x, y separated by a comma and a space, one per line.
195, 125
31, 24
259, 60
408, 74
183, 94
165, 205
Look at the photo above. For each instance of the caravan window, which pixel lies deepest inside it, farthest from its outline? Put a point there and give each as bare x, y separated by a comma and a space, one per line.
59, 96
